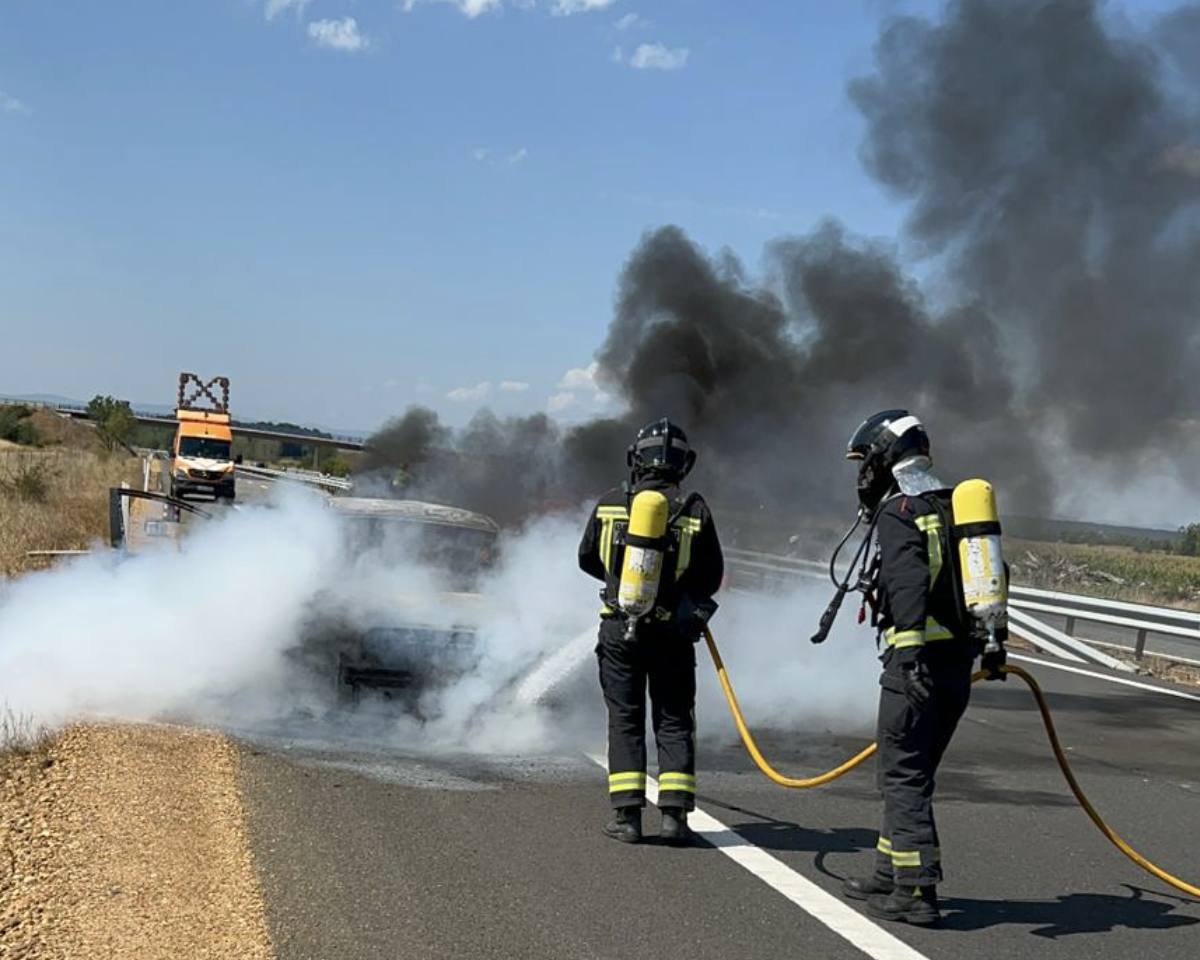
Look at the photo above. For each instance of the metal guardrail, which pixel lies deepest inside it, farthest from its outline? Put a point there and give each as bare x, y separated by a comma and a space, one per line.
310, 477
766, 570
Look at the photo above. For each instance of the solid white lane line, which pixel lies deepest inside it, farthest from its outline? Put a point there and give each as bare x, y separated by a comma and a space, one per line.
842, 919
1166, 691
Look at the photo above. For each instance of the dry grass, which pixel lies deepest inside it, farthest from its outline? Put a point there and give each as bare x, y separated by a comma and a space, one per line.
56, 499
20, 735
1157, 578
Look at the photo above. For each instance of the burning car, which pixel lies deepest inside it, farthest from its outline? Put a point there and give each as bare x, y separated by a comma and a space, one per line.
407, 620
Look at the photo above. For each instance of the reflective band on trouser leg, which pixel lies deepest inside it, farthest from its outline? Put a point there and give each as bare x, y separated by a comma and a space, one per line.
678, 783
911, 869
883, 857
631, 782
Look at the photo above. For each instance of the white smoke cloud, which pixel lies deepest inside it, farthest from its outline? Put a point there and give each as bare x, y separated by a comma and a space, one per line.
163, 632
210, 634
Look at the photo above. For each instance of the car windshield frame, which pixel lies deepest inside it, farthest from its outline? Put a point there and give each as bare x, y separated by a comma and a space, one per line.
466, 551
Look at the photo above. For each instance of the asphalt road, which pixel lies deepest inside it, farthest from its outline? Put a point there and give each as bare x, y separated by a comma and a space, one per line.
373, 852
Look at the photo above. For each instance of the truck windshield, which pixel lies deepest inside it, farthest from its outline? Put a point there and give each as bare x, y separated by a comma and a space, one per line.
206, 448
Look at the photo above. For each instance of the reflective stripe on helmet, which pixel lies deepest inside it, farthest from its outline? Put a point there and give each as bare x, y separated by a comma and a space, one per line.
903, 425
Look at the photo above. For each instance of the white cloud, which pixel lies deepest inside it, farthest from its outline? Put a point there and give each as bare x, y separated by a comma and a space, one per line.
11, 104
580, 378
470, 394
513, 386
618, 55
579, 384
477, 8
338, 34
655, 56
469, 8
628, 22
564, 8
492, 156
559, 402
274, 8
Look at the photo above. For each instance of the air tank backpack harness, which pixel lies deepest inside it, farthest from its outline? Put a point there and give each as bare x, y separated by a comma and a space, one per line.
980, 586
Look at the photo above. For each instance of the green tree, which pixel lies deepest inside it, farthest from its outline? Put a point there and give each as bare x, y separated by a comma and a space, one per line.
1189, 546
336, 466
113, 418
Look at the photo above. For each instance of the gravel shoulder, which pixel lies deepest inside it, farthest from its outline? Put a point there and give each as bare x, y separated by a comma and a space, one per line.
127, 841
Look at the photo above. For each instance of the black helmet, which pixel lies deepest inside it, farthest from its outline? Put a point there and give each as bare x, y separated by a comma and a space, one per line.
661, 451
880, 443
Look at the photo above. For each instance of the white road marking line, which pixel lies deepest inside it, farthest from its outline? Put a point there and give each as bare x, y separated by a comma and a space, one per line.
842, 919
1103, 676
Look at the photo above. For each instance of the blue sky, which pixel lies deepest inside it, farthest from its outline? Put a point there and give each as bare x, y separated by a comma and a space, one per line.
349, 206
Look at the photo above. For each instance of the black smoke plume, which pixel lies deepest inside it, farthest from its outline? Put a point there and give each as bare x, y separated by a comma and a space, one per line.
1050, 156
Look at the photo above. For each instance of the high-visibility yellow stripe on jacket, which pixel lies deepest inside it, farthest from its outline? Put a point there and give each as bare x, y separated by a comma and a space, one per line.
688, 527
931, 526
904, 639
609, 517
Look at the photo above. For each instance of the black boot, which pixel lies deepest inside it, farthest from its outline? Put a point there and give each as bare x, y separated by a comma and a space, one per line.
862, 888
915, 905
674, 828
626, 825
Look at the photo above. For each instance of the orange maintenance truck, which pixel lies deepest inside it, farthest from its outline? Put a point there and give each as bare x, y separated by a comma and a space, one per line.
202, 456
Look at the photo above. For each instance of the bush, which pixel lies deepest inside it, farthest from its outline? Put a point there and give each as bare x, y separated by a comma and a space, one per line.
1189, 545
29, 482
16, 427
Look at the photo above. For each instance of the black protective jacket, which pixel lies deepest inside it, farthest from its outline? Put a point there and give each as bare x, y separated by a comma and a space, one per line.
920, 610
693, 568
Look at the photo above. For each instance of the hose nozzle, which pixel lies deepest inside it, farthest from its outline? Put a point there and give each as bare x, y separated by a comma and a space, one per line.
830, 614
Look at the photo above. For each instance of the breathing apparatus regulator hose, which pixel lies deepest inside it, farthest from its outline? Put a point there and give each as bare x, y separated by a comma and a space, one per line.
1051, 734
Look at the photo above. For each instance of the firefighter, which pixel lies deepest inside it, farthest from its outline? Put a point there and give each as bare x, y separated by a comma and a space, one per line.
657, 649
929, 646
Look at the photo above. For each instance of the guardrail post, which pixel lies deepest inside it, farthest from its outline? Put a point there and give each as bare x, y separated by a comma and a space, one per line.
1069, 629
1140, 649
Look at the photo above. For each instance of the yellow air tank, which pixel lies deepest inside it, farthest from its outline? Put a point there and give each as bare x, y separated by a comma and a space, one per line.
981, 560
641, 570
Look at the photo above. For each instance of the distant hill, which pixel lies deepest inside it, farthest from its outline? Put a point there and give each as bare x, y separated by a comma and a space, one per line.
1081, 531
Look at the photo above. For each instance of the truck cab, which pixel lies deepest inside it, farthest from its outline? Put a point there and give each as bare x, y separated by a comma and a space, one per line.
202, 455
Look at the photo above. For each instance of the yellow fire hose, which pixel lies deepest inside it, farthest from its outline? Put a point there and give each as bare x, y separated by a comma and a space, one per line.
824, 778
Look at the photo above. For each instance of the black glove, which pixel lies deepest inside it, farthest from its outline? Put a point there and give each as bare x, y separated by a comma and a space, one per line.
691, 617
918, 684
992, 661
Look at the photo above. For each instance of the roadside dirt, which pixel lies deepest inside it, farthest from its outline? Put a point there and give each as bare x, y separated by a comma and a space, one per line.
127, 841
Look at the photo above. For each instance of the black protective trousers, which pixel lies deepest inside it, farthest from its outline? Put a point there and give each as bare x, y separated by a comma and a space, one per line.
658, 658
912, 739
